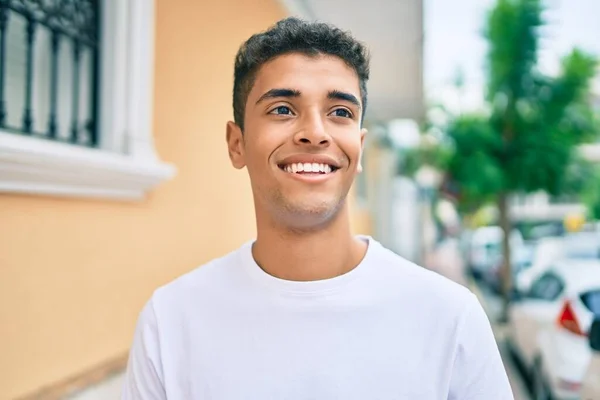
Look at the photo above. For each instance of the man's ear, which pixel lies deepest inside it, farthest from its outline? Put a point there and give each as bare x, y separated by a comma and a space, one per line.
235, 145
363, 134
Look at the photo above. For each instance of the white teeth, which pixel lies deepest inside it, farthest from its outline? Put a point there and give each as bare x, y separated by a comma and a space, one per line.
308, 167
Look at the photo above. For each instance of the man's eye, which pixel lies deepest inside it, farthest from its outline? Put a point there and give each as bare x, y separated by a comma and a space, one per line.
281, 110
342, 112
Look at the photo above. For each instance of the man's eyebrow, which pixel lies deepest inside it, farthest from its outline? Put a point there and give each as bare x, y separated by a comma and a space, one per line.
339, 95
275, 93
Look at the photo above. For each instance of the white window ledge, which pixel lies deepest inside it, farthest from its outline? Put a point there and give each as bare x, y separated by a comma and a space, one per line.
126, 165
29, 165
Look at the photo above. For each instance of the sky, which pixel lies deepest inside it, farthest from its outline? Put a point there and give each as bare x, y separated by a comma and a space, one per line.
453, 40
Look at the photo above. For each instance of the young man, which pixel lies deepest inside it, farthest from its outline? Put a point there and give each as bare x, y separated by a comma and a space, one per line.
307, 310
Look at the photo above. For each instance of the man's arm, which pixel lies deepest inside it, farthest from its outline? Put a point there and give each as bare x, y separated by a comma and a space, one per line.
144, 376
478, 371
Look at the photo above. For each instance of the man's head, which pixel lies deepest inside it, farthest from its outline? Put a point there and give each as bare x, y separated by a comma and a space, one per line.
293, 35
299, 99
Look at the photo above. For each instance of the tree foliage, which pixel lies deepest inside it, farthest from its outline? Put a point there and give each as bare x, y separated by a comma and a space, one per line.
591, 194
528, 139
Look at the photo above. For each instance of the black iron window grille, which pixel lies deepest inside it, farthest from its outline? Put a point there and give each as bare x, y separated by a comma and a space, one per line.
49, 69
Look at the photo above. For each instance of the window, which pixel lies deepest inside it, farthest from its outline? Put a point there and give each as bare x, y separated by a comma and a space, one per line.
76, 78
592, 301
49, 69
582, 245
548, 287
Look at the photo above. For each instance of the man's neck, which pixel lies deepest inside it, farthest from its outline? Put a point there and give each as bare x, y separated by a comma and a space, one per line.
308, 256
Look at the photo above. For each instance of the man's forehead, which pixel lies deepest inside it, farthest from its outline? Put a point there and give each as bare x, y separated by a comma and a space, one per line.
307, 74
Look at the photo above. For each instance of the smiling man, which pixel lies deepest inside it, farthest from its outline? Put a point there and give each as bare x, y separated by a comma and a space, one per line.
307, 310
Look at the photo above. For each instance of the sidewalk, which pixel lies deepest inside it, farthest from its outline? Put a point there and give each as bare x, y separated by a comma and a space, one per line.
109, 389
447, 261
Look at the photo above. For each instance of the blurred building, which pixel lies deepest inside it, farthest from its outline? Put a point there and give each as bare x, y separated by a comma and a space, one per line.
114, 175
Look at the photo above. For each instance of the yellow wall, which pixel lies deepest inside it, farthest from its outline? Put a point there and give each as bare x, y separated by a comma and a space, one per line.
75, 273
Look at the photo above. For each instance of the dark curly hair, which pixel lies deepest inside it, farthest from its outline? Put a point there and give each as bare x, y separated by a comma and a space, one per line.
293, 35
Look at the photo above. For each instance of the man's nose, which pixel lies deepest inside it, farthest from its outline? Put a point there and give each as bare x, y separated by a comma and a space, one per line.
312, 132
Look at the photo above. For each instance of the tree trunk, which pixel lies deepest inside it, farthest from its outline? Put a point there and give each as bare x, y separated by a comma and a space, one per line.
505, 272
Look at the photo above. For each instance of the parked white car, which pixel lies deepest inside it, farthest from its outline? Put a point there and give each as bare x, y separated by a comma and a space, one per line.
547, 250
549, 324
580, 245
591, 383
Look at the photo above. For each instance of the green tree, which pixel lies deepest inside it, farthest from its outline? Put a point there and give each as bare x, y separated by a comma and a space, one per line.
591, 195
526, 139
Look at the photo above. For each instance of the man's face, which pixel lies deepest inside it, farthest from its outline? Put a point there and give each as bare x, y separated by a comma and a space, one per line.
302, 139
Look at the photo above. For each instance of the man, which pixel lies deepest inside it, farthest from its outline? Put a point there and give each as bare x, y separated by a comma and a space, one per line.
307, 310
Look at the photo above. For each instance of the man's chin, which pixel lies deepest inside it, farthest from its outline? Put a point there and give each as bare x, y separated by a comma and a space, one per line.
312, 214
313, 206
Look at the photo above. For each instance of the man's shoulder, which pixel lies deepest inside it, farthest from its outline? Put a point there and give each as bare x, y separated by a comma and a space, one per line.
419, 283
203, 279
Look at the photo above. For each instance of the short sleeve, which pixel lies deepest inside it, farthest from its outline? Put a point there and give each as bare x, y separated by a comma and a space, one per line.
144, 375
478, 371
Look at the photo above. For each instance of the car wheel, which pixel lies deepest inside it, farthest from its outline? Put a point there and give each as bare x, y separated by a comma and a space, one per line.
538, 385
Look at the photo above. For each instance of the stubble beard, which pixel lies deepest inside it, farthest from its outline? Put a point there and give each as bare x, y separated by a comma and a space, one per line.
306, 215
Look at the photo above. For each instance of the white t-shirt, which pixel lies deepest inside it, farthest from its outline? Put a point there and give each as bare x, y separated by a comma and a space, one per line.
386, 330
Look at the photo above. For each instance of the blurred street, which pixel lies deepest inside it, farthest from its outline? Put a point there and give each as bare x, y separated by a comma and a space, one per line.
447, 261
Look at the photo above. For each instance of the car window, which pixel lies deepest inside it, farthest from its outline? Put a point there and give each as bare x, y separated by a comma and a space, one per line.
582, 246
592, 301
548, 287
